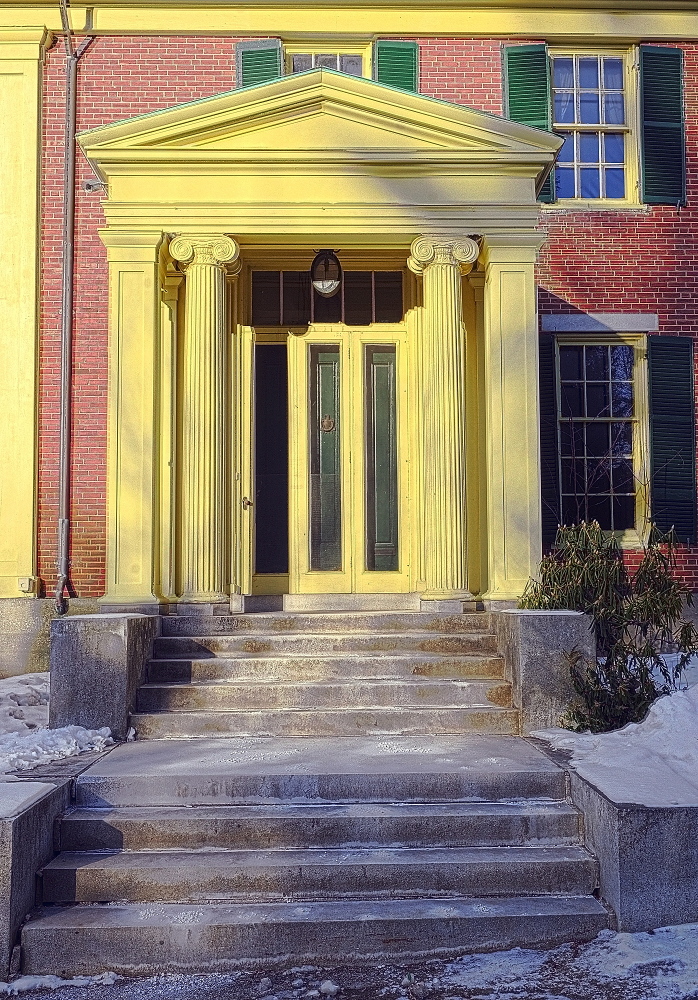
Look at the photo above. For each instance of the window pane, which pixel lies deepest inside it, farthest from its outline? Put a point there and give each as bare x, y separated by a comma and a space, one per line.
622, 439
353, 65
623, 513
358, 298
326, 60
388, 296
623, 481
266, 298
590, 182
572, 438
589, 109
597, 439
381, 458
564, 182
566, 154
614, 147
613, 74
599, 476
572, 475
589, 147
564, 108
615, 182
563, 74
296, 306
597, 400
613, 109
597, 363
573, 510
301, 63
325, 469
327, 310
599, 508
622, 363
622, 393
572, 402
589, 74
571, 362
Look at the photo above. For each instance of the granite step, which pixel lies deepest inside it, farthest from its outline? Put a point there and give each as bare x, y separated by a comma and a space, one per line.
342, 722
137, 940
350, 695
320, 668
290, 824
317, 874
367, 643
285, 623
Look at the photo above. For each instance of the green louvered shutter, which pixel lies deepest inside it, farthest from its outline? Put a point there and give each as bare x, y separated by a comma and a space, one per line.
662, 126
527, 75
672, 435
549, 470
258, 62
397, 64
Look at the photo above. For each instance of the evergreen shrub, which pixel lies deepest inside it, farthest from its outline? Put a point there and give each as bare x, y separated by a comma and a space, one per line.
636, 617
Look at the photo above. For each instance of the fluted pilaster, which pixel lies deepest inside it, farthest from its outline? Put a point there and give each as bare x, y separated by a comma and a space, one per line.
442, 262
204, 556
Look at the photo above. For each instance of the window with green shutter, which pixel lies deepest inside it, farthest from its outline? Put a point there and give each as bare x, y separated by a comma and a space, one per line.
662, 125
527, 79
672, 435
549, 451
397, 64
258, 62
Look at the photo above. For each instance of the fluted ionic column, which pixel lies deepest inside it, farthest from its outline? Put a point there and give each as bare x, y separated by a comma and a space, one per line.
441, 262
204, 556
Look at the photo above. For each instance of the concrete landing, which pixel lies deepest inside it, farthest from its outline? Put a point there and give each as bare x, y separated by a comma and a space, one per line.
425, 768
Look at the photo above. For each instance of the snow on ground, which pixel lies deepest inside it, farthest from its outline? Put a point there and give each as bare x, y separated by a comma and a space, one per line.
18, 752
658, 965
652, 763
24, 703
25, 739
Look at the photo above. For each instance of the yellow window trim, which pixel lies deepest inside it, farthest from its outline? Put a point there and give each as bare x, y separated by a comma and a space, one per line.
343, 46
630, 538
631, 67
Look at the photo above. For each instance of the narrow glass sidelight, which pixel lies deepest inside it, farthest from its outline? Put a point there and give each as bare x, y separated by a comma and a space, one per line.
325, 469
381, 458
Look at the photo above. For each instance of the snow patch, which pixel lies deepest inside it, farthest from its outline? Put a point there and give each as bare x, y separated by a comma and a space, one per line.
24, 703
652, 763
18, 752
26, 983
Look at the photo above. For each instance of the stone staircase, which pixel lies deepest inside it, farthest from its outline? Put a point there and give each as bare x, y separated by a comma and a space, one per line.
361, 798
325, 675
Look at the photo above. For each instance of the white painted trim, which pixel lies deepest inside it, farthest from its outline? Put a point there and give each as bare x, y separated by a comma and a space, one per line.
600, 323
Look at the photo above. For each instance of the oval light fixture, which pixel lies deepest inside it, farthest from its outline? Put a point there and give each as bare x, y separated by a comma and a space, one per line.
326, 273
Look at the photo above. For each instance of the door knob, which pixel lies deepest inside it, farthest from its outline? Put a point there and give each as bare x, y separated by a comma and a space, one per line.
247, 503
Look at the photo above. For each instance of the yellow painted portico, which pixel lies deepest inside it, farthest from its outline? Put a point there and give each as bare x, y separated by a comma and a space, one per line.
203, 195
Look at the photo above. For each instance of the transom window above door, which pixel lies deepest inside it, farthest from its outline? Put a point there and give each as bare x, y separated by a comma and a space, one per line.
283, 298
589, 113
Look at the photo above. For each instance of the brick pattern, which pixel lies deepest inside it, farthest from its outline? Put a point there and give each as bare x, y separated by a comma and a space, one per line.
640, 261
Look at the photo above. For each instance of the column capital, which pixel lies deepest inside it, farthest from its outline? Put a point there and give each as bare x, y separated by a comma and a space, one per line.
206, 249
460, 251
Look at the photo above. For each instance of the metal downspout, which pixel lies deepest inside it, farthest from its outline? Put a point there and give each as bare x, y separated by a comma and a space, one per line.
67, 294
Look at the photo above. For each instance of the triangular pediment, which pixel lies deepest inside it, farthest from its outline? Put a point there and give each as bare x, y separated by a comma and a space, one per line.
319, 114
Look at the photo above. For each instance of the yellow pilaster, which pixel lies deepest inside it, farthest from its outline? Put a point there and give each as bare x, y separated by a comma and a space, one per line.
442, 263
204, 524
134, 331
171, 282
21, 57
511, 431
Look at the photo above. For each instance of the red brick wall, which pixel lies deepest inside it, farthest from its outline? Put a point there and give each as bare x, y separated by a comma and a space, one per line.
642, 261
118, 78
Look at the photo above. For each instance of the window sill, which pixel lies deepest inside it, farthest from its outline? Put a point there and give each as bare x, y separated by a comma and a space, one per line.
580, 205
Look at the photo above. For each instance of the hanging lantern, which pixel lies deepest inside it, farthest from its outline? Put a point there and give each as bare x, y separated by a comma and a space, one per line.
326, 273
